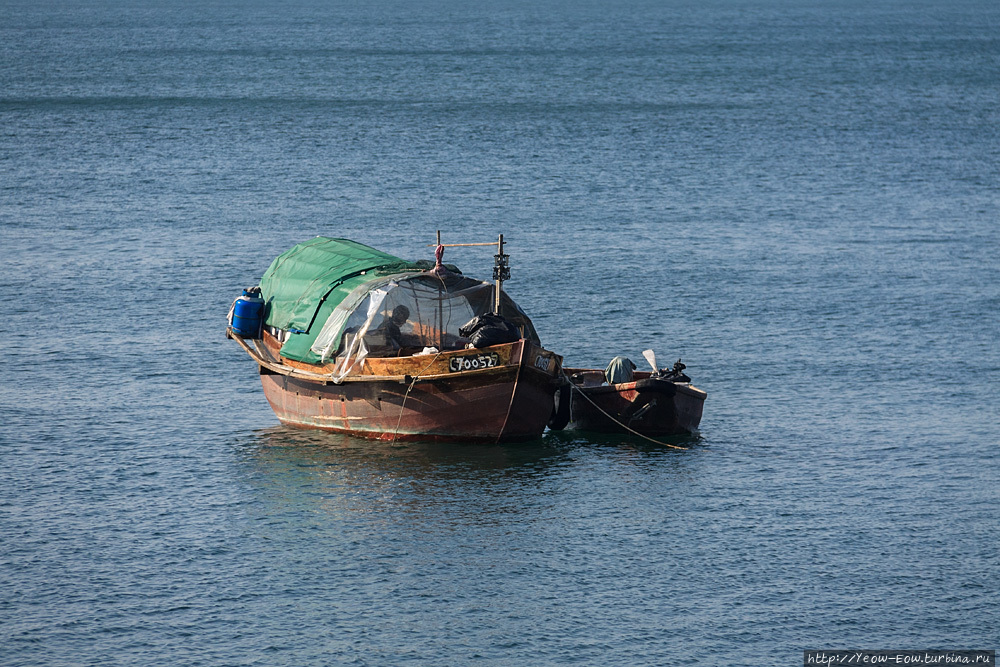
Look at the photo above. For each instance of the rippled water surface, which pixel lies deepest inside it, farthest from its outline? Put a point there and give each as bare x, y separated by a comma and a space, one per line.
799, 199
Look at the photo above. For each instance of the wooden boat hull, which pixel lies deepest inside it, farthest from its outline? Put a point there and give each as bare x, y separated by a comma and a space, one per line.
649, 406
425, 397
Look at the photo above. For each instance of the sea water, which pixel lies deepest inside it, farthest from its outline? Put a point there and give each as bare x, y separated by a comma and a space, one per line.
799, 199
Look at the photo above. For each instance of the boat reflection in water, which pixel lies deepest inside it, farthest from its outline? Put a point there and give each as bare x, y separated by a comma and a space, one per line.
290, 477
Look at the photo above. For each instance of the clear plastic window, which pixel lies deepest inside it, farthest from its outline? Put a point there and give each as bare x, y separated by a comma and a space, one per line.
408, 314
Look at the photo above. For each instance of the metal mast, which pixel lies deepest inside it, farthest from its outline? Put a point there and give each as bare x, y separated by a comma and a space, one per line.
501, 272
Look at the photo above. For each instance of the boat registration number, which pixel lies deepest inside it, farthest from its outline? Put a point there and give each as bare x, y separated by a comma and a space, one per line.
473, 362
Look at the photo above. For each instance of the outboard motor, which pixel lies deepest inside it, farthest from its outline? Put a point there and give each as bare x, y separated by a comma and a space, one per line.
676, 374
248, 314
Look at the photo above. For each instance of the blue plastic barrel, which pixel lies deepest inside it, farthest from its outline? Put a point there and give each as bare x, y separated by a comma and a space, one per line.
248, 314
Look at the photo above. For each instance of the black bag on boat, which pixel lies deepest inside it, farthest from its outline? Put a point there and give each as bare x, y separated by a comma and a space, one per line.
489, 329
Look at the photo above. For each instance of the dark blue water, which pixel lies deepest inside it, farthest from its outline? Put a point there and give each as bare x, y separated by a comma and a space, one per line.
801, 199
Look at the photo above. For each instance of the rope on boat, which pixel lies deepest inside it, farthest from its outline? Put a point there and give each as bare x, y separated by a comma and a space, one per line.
513, 391
402, 405
601, 410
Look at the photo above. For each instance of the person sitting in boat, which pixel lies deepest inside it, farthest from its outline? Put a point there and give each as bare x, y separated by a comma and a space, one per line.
391, 325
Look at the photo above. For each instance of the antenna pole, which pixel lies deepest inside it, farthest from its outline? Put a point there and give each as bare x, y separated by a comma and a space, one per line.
439, 270
501, 272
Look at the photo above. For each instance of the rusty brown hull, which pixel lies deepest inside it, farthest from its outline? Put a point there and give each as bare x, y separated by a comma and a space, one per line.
651, 407
425, 398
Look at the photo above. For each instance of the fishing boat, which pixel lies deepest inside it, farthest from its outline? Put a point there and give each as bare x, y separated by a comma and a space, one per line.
661, 402
348, 338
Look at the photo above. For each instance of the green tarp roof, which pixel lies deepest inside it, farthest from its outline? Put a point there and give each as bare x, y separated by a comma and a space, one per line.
305, 283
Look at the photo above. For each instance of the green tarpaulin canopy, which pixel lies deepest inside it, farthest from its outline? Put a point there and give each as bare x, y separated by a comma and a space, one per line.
304, 284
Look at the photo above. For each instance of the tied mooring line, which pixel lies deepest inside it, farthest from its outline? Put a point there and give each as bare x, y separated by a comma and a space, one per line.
632, 431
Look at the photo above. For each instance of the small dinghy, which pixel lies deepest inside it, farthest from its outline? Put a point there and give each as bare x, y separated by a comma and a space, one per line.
661, 402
